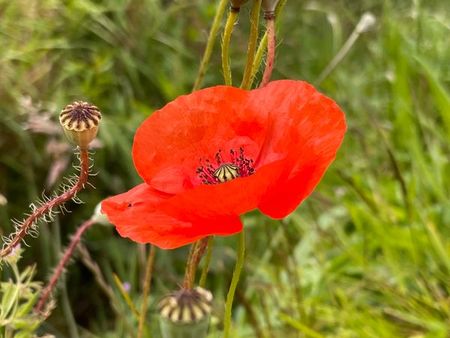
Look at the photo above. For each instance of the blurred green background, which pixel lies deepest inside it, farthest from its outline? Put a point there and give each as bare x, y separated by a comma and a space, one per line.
367, 255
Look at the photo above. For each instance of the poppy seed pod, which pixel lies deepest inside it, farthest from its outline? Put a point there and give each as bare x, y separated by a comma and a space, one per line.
236, 4
269, 7
185, 313
80, 122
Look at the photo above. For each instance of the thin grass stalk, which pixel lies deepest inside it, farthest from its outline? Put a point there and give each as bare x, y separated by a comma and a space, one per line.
65, 302
126, 296
210, 43
233, 15
68, 312
233, 284
94, 268
252, 41
146, 292
365, 23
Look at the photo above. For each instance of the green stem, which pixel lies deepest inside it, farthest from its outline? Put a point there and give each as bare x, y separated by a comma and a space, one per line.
66, 307
147, 285
233, 285
270, 59
259, 56
210, 245
226, 68
210, 43
252, 40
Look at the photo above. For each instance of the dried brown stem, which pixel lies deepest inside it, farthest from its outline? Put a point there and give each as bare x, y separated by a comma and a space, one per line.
61, 264
48, 206
146, 292
93, 267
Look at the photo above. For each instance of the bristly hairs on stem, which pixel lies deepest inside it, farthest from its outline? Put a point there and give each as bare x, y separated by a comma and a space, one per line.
269, 15
80, 122
263, 44
252, 40
76, 238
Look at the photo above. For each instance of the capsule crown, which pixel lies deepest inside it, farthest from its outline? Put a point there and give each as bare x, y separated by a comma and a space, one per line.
80, 122
186, 306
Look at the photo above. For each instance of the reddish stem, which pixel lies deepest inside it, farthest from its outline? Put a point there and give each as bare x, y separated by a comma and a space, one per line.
48, 206
271, 41
61, 264
196, 253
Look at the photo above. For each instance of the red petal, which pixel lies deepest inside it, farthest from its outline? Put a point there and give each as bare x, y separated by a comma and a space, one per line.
137, 214
306, 130
169, 145
309, 127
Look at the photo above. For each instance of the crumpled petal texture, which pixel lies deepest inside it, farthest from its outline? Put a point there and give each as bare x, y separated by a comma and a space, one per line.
290, 131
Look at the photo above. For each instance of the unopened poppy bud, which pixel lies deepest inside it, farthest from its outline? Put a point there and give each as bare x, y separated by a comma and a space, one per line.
80, 122
269, 7
186, 311
236, 4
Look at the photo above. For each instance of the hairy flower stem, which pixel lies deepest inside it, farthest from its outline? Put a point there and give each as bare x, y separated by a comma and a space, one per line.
252, 40
209, 247
233, 285
61, 264
271, 41
195, 254
231, 21
210, 43
146, 292
263, 43
47, 207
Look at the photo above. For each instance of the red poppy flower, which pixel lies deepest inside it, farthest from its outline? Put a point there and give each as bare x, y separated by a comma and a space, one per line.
211, 156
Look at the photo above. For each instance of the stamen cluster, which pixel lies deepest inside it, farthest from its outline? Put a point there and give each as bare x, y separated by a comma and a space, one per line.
221, 172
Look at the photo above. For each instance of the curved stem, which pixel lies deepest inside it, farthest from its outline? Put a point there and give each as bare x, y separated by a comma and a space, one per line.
147, 286
270, 60
47, 207
233, 285
231, 21
61, 264
259, 56
204, 274
210, 43
252, 40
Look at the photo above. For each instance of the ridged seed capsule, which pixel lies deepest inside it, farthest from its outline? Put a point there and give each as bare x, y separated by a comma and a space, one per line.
185, 313
80, 122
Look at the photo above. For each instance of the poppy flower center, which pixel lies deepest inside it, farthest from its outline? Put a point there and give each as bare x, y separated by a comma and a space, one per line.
224, 171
